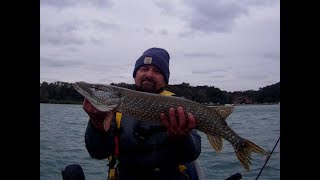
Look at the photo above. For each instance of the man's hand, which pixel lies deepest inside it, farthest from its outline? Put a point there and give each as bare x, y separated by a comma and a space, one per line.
178, 126
100, 120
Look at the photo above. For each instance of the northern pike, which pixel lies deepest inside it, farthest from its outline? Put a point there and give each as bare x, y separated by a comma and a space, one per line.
148, 106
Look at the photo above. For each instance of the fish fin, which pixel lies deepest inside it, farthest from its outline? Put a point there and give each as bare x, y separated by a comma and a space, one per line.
244, 153
216, 142
224, 111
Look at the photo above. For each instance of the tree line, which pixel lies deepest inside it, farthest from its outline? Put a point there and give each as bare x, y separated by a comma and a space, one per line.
64, 93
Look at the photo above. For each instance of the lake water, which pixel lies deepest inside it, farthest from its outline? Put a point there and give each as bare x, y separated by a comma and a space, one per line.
62, 129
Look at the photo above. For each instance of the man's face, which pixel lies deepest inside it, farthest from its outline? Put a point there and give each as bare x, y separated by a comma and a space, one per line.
149, 79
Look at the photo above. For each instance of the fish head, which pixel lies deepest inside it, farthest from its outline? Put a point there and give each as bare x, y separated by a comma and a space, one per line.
103, 97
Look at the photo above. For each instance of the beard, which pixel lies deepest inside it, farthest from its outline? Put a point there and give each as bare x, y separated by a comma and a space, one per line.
148, 85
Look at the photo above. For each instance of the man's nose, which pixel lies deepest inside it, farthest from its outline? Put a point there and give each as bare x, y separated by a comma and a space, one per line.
150, 73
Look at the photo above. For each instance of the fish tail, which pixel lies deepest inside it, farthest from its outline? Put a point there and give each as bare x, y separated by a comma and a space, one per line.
244, 153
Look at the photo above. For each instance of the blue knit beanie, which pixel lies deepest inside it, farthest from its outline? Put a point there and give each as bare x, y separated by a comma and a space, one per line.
155, 56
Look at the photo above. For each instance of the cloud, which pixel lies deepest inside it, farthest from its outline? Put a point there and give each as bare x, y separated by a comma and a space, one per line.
207, 16
70, 3
252, 76
53, 63
148, 30
216, 16
106, 68
233, 45
75, 32
271, 55
101, 25
203, 55
60, 35
208, 71
163, 32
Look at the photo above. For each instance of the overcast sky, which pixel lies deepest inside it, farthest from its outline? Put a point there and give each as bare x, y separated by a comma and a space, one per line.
233, 45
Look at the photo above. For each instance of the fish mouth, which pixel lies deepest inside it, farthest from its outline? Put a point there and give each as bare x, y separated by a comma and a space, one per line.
83, 90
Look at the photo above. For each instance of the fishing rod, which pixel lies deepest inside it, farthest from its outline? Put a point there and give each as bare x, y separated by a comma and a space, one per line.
268, 158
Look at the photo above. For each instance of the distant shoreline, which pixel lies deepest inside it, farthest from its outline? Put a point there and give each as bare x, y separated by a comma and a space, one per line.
257, 104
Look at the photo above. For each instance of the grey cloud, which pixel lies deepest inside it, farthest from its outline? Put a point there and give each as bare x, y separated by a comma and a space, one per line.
212, 71
59, 35
272, 55
72, 49
148, 30
186, 34
103, 25
214, 16
55, 40
201, 72
218, 76
58, 3
163, 32
64, 34
259, 3
253, 76
151, 31
166, 7
210, 16
68, 3
53, 63
96, 41
107, 68
204, 55
100, 3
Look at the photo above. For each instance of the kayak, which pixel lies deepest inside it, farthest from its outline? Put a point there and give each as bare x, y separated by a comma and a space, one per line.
75, 172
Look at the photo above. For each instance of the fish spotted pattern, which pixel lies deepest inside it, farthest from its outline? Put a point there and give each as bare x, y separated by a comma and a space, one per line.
148, 106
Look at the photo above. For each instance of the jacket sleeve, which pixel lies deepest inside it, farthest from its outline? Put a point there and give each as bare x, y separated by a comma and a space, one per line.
189, 148
99, 144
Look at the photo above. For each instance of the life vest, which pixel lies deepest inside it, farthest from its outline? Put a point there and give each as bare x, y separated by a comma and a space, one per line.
113, 159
